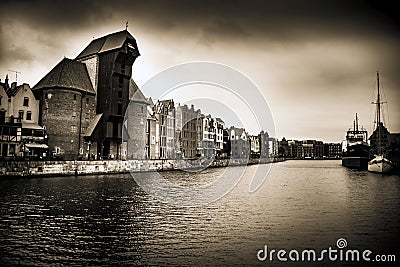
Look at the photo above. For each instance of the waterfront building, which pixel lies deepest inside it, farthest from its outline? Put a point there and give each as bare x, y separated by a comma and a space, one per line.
87, 97
226, 151
254, 141
164, 112
206, 145
295, 149
210, 137
240, 147
384, 138
318, 149
283, 148
219, 126
21, 135
137, 126
264, 144
301, 149
333, 150
273, 147
67, 108
390, 143
186, 127
152, 132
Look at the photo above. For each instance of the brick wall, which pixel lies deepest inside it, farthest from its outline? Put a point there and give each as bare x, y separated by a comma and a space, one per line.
61, 114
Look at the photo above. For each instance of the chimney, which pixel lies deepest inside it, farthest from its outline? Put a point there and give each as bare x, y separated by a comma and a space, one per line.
6, 81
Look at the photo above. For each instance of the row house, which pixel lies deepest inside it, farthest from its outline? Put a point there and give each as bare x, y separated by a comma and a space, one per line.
333, 150
239, 143
211, 141
219, 126
262, 146
164, 113
187, 120
20, 133
255, 150
152, 132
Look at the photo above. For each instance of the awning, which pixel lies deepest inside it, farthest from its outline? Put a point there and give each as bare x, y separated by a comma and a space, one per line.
32, 126
93, 125
35, 145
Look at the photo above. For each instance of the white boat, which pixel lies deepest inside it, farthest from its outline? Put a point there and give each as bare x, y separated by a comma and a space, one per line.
379, 163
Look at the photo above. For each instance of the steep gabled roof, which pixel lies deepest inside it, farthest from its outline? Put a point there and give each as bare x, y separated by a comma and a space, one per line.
68, 74
14, 91
132, 88
93, 125
106, 43
136, 94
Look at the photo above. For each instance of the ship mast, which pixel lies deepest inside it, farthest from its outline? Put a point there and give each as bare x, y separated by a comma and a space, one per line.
356, 123
378, 102
378, 114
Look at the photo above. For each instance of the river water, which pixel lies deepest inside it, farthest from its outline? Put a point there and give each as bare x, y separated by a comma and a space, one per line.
109, 220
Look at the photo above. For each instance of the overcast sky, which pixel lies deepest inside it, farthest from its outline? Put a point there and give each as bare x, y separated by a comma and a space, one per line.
314, 61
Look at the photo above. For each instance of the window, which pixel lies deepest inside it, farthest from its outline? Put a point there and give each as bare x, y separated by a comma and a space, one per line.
74, 96
29, 116
119, 109
26, 101
120, 94
74, 129
20, 114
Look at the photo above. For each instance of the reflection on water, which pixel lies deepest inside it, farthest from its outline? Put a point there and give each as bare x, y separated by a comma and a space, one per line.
105, 220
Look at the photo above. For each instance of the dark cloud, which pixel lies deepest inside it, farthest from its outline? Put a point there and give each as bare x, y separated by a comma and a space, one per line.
55, 15
275, 19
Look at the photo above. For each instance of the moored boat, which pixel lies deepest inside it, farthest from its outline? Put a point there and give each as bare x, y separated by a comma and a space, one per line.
379, 163
356, 148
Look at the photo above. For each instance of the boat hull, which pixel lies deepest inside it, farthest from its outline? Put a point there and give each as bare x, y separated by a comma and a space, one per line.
360, 163
356, 156
380, 165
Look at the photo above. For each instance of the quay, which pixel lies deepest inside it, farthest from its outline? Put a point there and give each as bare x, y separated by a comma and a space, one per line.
15, 169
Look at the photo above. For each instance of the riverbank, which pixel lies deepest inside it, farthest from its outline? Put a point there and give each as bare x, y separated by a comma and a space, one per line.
16, 169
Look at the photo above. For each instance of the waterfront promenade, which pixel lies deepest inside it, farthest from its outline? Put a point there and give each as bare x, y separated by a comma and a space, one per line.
70, 168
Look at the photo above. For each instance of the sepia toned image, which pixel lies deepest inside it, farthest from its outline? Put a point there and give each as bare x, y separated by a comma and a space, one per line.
204, 133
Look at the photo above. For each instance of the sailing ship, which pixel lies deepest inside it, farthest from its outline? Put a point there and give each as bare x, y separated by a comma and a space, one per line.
379, 163
356, 148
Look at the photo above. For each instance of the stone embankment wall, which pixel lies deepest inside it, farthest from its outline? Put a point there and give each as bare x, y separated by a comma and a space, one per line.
67, 168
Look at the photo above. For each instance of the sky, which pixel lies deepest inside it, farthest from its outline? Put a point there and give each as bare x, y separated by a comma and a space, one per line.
315, 62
